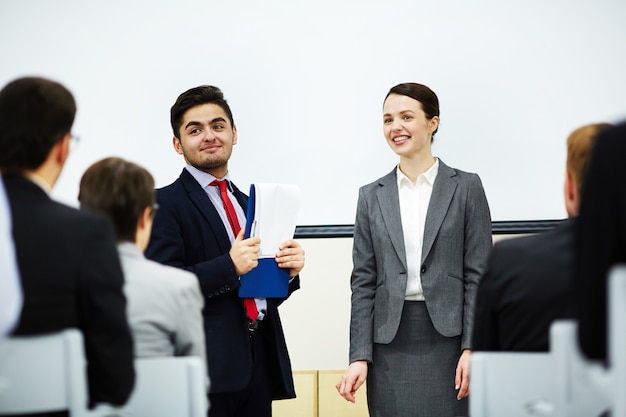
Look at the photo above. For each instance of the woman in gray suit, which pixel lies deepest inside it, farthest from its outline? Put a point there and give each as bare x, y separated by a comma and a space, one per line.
421, 239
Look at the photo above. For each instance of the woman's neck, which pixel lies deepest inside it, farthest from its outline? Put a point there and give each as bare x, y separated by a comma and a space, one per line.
414, 167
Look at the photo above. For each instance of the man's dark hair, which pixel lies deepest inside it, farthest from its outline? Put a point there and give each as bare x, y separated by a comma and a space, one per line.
35, 114
204, 94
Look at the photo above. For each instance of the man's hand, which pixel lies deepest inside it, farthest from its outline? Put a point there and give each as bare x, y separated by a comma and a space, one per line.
352, 379
290, 255
245, 253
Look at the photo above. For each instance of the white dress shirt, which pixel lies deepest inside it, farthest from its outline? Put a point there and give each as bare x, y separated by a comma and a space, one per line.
414, 200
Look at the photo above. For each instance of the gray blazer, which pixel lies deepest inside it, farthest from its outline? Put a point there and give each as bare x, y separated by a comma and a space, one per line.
164, 307
457, 242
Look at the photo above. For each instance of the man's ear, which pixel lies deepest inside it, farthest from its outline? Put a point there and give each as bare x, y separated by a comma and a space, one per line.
234, 135
61, 150
144, 229
177, 145
572, 198
144, 218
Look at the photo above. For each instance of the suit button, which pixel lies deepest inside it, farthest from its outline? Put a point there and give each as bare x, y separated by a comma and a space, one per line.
222, 290
209, 295
423, 269
217, 293
227, 288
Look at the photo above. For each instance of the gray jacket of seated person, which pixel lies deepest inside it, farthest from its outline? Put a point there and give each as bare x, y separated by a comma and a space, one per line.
164, 307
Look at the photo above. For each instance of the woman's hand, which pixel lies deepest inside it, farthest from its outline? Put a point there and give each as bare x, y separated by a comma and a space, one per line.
352, 379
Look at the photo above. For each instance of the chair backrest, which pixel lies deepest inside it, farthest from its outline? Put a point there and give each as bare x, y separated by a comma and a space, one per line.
170, 386
581, 384
43, 373
617, 338
560, 383
512, 384
587, 387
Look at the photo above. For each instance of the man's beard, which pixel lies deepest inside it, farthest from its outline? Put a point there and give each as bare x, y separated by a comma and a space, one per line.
210, 163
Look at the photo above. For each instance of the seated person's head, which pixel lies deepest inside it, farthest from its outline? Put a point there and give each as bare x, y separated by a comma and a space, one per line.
580, 145
36, 116
123, 191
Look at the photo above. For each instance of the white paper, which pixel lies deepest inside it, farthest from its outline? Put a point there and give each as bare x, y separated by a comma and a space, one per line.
276, 209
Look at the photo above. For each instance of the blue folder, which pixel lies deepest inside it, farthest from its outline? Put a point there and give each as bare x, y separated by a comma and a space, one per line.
267, 280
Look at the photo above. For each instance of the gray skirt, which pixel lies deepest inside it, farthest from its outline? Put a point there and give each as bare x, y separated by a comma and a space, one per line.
413, 376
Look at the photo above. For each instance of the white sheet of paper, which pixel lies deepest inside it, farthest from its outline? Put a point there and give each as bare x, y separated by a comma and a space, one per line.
275, 214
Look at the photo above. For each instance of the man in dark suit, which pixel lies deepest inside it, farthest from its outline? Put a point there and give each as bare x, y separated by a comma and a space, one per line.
529, 281
67, 259
195, 229
600, 238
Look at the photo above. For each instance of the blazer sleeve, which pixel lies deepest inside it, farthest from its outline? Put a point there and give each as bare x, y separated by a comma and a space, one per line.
179, 239
102, 318
486, 334
478, 245
363, 285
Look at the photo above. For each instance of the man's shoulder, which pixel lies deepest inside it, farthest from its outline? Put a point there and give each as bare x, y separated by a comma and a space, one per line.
537, 242
90, 223
71, 219
174, 186
526, 255
182, 185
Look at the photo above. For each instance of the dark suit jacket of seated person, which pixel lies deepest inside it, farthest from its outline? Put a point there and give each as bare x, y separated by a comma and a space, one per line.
70, 272
529, 281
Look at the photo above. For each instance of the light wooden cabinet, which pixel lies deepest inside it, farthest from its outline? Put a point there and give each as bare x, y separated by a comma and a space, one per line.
317, 397
306, 402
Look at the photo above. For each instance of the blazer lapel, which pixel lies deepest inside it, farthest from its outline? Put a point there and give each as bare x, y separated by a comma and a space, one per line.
389, 203
200, 199
443, 191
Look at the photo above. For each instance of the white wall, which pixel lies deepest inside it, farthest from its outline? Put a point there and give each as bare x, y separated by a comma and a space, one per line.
316, 318
306, 82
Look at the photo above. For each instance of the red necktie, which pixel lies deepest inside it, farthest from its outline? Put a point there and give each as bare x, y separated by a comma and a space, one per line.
233, 220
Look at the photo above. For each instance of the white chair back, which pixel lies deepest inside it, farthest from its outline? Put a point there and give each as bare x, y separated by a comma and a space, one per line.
171, 386
587, 387
512, 384
562, 382
617, 338
43, 373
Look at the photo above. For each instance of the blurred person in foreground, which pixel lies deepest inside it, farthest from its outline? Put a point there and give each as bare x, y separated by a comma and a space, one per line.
70, 271
600, 238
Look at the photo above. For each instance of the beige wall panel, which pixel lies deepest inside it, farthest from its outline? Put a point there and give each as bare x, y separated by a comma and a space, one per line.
331, 404
305, 403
